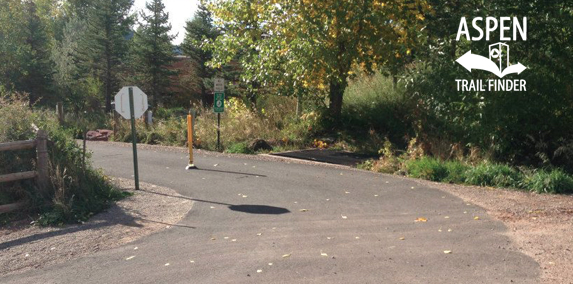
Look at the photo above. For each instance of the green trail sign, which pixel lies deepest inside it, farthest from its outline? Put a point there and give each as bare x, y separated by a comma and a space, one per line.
219, 103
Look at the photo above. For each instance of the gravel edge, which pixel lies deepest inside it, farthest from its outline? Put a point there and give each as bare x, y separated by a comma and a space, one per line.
25, 247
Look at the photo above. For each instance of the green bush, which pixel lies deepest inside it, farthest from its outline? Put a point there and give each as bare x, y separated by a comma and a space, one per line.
373, 111
456, 171
75, 192
554, 181
239, 148
427, 168
489, 174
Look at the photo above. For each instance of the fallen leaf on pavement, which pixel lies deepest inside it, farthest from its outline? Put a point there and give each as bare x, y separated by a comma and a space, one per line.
259, 270
402, 238
476, 218
258, 234
130, 258
167, 264
303, 210
421, 219
447, 251
323, 254
344, 217
270, 264
286, 255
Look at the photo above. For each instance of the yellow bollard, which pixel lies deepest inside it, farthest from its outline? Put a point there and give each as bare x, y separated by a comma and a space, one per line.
190, 141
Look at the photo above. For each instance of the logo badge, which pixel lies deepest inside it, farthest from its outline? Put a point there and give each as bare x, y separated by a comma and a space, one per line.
497, 63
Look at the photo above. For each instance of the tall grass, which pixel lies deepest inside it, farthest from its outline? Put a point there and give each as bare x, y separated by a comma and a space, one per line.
374, 110
275, 122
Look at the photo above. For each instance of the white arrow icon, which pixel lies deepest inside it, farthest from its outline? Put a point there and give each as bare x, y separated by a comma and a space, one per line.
472, 61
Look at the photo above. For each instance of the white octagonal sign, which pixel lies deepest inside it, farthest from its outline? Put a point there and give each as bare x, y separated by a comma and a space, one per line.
139, 102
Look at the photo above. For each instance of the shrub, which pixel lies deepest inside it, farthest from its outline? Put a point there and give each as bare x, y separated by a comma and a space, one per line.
455, 171
427, 168
554, 181
239, 148
75, 192
489, 174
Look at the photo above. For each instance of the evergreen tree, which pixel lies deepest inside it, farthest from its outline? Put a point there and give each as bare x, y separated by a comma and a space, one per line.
68, 74
12, 43
38, 66
153, 52
104, 46
196, 32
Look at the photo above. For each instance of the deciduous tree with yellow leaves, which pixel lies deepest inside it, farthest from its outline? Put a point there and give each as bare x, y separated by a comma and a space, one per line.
313, 46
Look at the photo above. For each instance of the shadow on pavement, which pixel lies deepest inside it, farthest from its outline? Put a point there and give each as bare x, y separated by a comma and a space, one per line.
96, 222
259, 209
230, 172
327, 156
245, 208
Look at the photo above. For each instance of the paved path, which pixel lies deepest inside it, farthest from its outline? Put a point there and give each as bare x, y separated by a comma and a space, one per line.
248, 214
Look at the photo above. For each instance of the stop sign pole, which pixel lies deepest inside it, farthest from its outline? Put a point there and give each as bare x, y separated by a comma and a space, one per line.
133, 138
131, 103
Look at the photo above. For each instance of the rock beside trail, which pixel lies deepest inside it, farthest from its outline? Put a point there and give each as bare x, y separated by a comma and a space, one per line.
260, 144
99, 135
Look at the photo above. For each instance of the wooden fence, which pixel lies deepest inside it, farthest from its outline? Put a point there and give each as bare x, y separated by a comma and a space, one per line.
41, 172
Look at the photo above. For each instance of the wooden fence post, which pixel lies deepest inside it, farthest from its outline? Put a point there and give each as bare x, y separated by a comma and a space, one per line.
42, 155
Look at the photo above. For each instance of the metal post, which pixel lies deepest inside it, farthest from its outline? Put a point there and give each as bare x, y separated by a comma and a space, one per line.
134, 138
84, 151
219, 131
190, 118
42, 156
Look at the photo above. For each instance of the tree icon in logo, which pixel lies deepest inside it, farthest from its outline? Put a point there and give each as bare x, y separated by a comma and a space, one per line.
497, 52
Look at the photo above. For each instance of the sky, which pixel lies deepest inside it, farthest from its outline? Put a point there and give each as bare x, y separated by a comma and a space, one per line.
180, 11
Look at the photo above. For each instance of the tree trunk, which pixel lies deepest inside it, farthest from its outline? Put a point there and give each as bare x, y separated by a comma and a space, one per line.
336, 95
299, 107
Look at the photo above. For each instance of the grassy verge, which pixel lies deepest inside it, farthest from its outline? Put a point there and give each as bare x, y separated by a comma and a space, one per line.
277, 124
485, 173
75, 192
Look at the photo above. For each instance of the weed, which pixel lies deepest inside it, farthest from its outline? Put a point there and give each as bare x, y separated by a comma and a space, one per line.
490, 174
553, 181
427, 168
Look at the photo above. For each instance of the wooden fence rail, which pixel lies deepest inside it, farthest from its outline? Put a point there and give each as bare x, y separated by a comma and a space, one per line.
41, 172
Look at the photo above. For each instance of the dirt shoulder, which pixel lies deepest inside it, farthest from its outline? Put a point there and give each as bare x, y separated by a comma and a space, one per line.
24, 247
541, 225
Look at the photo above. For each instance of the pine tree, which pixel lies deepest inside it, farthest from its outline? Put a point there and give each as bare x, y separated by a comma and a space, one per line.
104, 46
68, 74
196, 32
153, 52
37, 64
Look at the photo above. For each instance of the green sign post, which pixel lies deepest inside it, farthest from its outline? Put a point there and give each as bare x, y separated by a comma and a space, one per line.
219, 103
